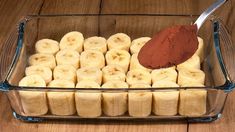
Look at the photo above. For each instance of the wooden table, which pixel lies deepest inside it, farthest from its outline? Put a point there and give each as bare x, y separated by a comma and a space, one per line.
11, 11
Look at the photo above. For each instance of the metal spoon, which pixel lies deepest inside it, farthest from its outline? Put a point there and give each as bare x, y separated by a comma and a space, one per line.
202, 18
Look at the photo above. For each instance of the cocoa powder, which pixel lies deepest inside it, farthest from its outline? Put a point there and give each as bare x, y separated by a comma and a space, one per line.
169, 47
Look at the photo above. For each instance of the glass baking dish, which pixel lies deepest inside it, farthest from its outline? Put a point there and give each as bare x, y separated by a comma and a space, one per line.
20, 46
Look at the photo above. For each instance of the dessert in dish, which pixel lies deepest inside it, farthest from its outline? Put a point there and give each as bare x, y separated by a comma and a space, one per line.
97, 63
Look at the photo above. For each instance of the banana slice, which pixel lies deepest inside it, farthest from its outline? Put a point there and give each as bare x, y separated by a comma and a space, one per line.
68, 57
92, 58
88, 104
44, 72
113, 72
165, 102
114, 103
72, 40
118, 57
96, 43
34, 103
138, 76
139, 102
47, 46
134, 64
191, 76
89, 73
191, 63
119, 41
200, 50
138, 43
61, 103
40, 59
192, 102
65, 72
164, 74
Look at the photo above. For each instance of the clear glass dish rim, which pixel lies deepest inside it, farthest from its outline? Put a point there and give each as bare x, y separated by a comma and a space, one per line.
21, 25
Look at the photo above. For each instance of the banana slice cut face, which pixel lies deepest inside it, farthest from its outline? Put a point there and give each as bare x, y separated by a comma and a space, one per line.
47, 46
191, 76
44, 72
65, 72
164, 74
89, 73
119, 41
68, 57
191, 63
118, 57
138, 43
113, 72
138, 76
96, 43
92, 58
40, 59
73, 40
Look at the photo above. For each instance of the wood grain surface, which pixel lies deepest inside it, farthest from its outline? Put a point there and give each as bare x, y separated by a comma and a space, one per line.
12, 11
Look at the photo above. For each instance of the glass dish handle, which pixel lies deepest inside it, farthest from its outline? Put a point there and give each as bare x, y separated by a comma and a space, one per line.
10, 54
225, 52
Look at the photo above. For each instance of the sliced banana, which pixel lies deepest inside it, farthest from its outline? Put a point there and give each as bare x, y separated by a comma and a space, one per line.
96, 43
134, 63
65, 72
119, 41
191, 63
138, 76
88, 104
164, 74
61, 103
72, 40
44, 72
138, 43
165, 102
92, 58
114, 103
192, 102
118, 57
139, 102
68, 57
47, 46
89, 73
34, 103
200, 50
113, 72
191, 76
40, 59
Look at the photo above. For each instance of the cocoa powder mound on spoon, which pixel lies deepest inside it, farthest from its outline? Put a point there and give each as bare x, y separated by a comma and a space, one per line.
169, 47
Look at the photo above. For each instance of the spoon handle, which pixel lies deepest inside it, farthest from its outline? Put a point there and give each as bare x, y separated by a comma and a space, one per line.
201, 19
